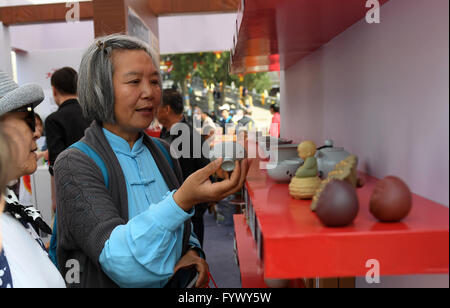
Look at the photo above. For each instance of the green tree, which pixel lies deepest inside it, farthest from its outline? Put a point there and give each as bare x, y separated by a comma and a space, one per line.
183, 67
258, 81
213, 68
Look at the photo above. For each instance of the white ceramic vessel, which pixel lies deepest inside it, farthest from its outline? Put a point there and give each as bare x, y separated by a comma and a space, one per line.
328, 156
230, 152
283, 171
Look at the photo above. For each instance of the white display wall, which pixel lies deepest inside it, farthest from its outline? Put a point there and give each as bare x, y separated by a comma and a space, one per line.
37, 67
5, 50
196, 33
52, 36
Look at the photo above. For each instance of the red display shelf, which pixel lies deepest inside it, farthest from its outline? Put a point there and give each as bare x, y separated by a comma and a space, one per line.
275, 34
296, 244
252, 273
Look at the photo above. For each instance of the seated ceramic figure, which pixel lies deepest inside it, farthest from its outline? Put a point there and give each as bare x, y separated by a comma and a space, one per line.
306, 180
306, 151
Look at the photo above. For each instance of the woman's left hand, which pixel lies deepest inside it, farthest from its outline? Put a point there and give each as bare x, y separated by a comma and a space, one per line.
191, 258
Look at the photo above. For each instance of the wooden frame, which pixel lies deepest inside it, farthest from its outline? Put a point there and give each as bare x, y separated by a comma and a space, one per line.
45, 13
167, 7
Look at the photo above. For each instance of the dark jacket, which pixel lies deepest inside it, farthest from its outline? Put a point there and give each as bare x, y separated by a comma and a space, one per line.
88, 211
246, 122
190, 164
63, 128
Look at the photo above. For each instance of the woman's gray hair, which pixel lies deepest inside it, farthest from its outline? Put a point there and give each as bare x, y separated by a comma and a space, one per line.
95, 77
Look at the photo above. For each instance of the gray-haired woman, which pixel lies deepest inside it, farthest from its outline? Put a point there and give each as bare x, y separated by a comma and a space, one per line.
128, 225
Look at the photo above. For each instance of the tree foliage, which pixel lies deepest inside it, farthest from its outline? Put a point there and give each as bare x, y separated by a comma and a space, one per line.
213, 68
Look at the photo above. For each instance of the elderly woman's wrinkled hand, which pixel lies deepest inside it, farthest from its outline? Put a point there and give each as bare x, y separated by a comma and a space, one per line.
191, 258
198, 188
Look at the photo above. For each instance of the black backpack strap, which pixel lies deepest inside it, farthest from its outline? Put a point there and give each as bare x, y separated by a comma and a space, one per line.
186, 236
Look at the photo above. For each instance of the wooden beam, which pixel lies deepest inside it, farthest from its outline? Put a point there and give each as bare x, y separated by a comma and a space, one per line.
109, 17
44, 13
142, 8
168, 7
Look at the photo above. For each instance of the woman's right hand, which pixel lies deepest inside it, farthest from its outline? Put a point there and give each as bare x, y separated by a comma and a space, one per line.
198, 188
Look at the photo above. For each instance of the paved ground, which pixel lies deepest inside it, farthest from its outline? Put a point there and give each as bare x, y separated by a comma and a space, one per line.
219, 238
218, 246
262, 118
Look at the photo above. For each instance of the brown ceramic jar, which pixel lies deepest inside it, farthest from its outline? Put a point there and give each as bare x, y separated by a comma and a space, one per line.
391, 200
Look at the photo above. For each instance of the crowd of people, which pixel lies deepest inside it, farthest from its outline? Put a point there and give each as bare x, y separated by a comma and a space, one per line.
236, 119
127, 212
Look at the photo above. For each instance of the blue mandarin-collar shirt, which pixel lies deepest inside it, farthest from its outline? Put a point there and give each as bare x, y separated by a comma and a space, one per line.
144, 252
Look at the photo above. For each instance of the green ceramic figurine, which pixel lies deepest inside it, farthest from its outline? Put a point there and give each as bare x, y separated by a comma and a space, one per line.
306, 151
306, 180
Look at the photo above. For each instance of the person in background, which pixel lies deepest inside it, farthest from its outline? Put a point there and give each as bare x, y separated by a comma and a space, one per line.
226, 119
128, 225
188, 110
197, 121
208, 126
276, 121
42, 148
213, 116
238, 115
248, 99
67, 125
246, 123
24, 253
170, 113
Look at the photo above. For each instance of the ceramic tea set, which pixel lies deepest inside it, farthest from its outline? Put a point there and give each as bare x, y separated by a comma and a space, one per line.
284, 160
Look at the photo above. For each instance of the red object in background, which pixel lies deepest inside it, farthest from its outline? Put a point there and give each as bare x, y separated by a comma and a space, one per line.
275, 125
153, 132
27, 183
297, 245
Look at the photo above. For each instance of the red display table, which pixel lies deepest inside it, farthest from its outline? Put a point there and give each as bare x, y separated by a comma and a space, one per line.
296, 245
252, 275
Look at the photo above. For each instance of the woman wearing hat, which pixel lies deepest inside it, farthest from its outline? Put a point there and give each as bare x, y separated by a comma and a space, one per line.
24, 255
128, 225
4, 171
5, 271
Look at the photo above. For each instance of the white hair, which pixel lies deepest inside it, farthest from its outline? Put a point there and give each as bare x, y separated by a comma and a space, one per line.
95, 77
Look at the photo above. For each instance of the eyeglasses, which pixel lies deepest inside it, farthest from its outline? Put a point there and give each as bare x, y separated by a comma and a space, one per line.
30, 119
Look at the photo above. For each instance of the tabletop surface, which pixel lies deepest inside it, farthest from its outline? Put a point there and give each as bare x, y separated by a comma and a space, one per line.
296, 244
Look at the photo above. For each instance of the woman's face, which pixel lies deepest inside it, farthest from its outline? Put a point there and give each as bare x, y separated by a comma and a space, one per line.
23, 144
137, 90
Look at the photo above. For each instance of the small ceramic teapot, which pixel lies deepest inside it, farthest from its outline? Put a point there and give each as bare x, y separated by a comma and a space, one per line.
328, 156
230, 152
